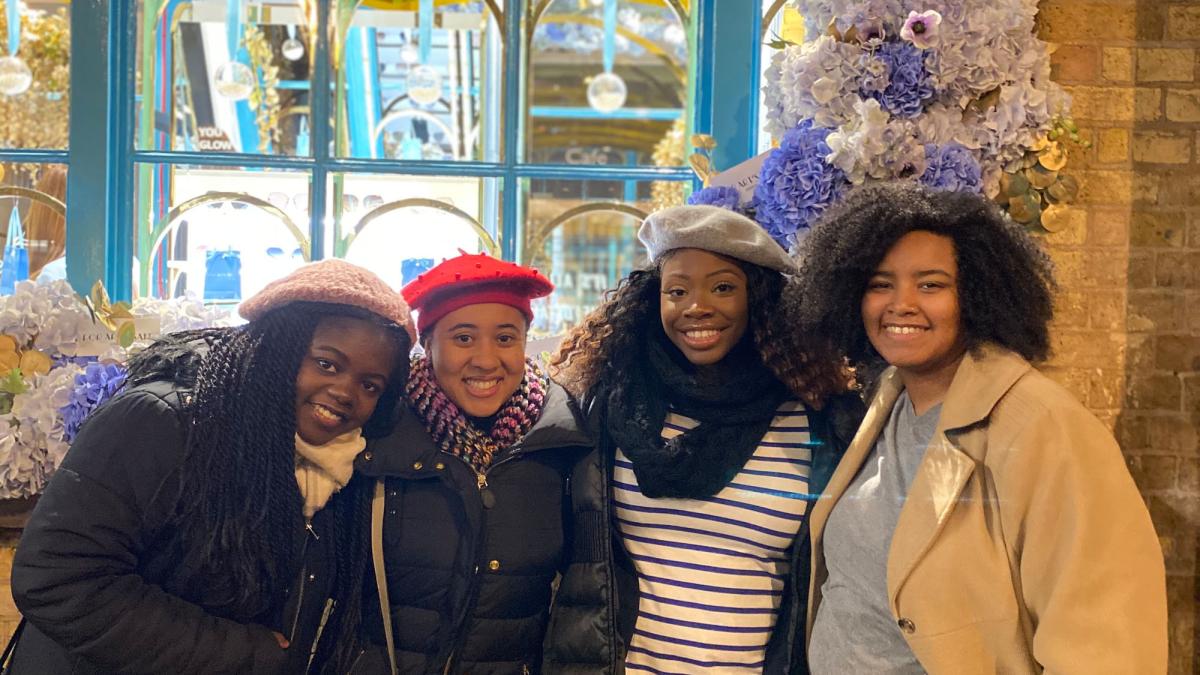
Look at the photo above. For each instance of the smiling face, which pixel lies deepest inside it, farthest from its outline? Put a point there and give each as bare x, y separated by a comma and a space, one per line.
478, 356
342, 377
910, 308
703, 304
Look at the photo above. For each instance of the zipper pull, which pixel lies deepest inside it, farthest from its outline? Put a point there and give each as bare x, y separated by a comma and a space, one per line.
481, 480
308, 526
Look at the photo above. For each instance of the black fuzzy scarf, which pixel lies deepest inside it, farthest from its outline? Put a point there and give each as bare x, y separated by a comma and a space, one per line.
734, 400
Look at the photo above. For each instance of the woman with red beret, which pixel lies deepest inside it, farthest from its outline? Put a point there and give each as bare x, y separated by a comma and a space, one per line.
467, 524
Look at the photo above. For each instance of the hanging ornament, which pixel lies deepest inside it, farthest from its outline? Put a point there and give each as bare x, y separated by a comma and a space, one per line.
606, 92
424, 85
292, 49
15, 76
674, 34
234, 80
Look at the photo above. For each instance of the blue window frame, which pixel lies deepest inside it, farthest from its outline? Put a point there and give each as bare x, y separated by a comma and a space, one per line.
104, 159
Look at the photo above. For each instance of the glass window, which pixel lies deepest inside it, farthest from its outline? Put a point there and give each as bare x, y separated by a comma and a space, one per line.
583, 235
220, 234
217, 76
607, 80
35, 74
421, 81
33, 226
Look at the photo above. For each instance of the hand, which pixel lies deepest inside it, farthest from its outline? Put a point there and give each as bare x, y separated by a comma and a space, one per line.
283, 642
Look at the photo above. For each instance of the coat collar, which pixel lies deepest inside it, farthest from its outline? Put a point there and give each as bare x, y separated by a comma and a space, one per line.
410, 445
985, 374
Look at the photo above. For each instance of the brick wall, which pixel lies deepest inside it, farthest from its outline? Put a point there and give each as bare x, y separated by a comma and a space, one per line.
1128, 330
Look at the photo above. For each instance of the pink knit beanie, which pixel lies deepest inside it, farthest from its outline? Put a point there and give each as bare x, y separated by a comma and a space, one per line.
337, 282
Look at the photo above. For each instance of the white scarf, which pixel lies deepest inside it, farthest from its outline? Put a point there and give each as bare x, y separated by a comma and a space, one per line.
322, 470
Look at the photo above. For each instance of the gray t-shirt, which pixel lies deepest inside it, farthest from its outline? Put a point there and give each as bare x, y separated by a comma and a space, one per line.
854, 631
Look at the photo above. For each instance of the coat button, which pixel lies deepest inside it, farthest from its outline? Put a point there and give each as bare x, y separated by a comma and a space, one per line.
494, 565
312, 578
439, 466
417, 466
907, 626
368, 456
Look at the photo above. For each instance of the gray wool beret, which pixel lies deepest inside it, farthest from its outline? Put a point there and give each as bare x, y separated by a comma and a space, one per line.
714, 229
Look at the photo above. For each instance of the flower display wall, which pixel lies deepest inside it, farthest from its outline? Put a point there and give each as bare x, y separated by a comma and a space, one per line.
955, 94
47, 388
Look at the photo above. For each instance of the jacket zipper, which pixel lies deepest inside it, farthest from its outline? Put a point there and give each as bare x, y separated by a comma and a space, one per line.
481, 482
303, 573
312, 651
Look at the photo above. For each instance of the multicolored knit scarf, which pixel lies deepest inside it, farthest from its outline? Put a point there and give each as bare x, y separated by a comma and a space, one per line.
454, 433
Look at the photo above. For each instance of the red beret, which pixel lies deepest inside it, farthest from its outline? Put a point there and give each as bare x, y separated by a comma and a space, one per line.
473, 280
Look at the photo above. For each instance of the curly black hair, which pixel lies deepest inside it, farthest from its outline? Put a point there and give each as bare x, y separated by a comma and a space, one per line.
1005, 280
237, 489
598, 353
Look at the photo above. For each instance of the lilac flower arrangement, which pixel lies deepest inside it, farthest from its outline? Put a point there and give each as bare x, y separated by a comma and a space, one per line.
42, 410
951, 167
796, 183
723, 196
967, 77
96, 384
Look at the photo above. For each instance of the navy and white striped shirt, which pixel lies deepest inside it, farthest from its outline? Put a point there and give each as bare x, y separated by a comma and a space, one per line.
711, 571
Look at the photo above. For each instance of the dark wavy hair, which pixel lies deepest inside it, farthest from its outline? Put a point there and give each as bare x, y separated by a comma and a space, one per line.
1005, 280
238, 495
600, 351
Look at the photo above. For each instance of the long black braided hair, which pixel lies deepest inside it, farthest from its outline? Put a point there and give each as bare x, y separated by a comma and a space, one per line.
237, 487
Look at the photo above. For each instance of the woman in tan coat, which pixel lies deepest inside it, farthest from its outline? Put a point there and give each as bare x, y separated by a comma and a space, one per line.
982, 520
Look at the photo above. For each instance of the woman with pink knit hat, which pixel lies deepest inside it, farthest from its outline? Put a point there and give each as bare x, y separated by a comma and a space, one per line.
468, 529
205, 520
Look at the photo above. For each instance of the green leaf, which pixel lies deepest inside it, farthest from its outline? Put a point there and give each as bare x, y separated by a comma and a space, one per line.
126, 334
13, 383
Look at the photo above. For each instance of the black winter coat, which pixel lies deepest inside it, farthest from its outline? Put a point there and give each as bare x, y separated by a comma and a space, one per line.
596, 606
470, 560
104, 592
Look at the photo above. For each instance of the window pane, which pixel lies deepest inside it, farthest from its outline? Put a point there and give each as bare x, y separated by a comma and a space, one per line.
781, 22
583, 234
583, 112
400, 226
35, 83
220, 234
415, 91
33, 227
208, 84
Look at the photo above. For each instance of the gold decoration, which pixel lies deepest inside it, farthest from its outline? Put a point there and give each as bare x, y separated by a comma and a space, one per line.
701, 159
1033, 188
27, 362
38, 117
669, 151
114, 316
264, 100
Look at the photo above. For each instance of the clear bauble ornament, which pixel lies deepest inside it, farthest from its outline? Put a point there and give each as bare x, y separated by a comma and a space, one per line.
424, 85
234, 80
674, 34
15, 76
607, 92
409, 54
292, 49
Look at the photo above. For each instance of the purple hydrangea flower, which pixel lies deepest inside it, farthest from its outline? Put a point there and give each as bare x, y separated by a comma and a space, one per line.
796, 184
909, 85
723, 196
952, 167
96, 384
921, 29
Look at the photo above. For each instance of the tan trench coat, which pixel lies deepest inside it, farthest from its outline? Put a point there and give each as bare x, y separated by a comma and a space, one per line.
1024, 545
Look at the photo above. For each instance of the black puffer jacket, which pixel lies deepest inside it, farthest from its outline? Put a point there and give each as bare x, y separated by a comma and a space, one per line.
469, 559
102, 590
597, 602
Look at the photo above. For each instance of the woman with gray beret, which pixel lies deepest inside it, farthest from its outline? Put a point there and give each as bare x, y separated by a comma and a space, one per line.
716, 424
